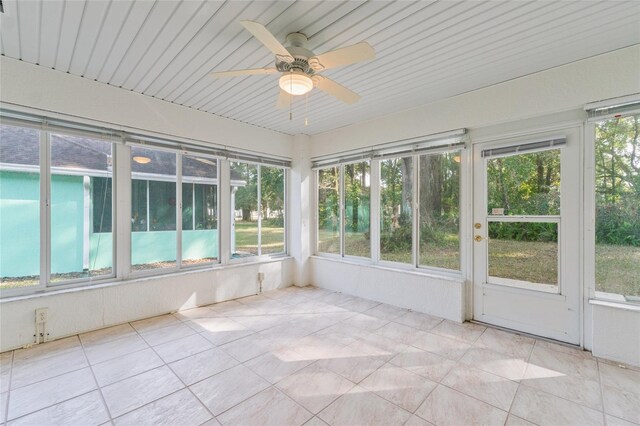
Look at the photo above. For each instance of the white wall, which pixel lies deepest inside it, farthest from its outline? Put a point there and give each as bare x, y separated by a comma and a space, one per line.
83, 309
76, 310
616, 333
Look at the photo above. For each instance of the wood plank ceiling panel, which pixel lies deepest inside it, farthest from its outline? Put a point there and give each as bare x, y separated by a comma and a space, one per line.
426, 50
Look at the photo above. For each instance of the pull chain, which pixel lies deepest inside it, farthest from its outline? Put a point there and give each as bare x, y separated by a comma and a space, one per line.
290, 96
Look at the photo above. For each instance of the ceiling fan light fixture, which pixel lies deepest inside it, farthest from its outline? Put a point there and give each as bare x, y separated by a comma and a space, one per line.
296, 84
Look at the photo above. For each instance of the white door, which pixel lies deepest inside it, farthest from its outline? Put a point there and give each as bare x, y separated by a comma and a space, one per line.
526, 234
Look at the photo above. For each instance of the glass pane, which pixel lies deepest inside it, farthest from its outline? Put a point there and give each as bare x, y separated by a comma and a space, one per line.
244, 202
617, 158
518, 249
357, 193
19, 207
440, 210
329, 210
153, 209
81, 175
524, 184
199, 210
396, 205
272, 204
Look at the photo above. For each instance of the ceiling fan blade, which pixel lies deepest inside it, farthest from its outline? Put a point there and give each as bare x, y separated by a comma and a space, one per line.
284, 100
263, 35
336, 90
237, 73
344, 56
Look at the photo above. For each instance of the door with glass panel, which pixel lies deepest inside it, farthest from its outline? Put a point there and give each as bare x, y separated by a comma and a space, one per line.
526, 234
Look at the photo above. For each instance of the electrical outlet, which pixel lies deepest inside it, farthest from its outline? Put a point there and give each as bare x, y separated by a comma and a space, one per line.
42, 315
260, 276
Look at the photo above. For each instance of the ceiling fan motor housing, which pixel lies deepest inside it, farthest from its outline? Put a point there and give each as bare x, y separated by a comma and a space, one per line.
296, 46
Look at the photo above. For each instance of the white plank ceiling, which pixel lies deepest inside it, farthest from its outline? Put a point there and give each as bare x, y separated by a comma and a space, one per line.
426, 50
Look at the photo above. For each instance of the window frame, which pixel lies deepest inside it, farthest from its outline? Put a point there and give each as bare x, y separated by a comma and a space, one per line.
589, 214
260, 256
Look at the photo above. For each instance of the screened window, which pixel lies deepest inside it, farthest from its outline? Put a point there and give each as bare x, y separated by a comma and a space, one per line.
153, 209
357, 194
78, 208
19, 207
439, 183
258, 202
199, 210
617, 196
396, 209
329, 210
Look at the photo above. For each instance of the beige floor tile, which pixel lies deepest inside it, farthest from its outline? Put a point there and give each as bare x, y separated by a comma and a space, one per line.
107, 334
448, 407
166, 334
544, 360
120, 368
621, 378
316, 322
569, 350
399, 332
30, 371
573, 388
249, 347
336, 298
419, 320
440, 345
202, 365
342, 333
180, 408
507, 343
6, 360
425, 364
220, 330
105, 351
357, 304
375, 344
233, 308
545, 409
503, 365
386, 312
229, 388
401, 387
269, 407
82, 410
276, 365
45, 350
285, 334
262, 322
212, 422
154, 323
315, 421
467, 331
481, 385
316, 347
362, 407
195, 313
353, 363
417, 421
182, 348
366, 322
134, 392
3, 406
315, 387
49, 392
621, 403
615, 421
517, 421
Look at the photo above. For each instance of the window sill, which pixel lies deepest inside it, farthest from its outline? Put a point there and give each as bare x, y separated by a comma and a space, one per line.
447, 276
615, 305
75, 288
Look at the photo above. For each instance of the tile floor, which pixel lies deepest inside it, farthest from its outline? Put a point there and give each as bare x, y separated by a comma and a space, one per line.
310, 356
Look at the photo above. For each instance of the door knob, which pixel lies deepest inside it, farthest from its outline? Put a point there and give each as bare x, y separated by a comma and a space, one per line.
478, 238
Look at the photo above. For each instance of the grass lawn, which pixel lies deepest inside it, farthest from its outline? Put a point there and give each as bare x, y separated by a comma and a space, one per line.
247, 238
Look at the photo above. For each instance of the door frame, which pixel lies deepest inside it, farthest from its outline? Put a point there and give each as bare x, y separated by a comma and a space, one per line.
572, 183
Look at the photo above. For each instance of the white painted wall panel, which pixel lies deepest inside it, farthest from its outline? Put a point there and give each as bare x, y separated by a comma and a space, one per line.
435, 296
616, 334
80, 310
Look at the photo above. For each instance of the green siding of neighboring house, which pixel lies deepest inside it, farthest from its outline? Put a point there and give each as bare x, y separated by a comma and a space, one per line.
20, 235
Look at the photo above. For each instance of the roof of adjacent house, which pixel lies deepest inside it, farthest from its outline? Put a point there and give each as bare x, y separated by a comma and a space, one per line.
20, 145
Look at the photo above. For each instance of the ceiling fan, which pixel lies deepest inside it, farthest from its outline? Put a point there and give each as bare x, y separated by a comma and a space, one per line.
299, 66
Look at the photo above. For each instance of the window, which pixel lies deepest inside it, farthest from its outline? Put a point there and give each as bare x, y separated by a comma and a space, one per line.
153, 209
81, 239
258, 202
617, 204
199, 210
357, 194
19, 207
329, 210
396, 209
523, 202
439, 190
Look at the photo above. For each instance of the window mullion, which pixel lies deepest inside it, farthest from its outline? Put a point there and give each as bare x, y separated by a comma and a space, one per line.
374, 211
341, 203
178, 212
415, 243
259, 204
45, 209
